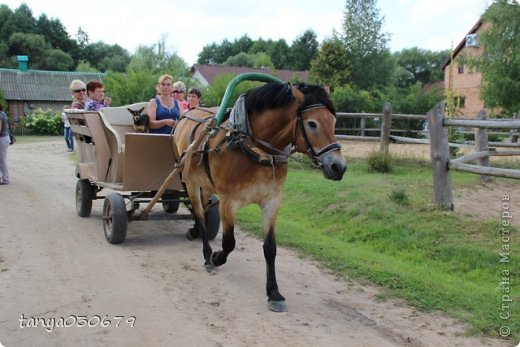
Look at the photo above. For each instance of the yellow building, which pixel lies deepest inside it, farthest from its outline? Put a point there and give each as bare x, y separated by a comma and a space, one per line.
462, 82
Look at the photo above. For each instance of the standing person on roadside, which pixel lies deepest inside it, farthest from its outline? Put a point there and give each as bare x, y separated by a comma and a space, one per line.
96, 99
4, 144
67, 131
164, 110
179, 88
79, 94
194, 98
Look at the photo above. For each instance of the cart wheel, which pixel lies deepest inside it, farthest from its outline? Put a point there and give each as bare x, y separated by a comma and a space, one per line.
171, 206
213, 218
84, 195
115, 220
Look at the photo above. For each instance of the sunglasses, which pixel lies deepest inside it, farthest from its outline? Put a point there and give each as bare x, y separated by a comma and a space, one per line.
178, 91
79, 90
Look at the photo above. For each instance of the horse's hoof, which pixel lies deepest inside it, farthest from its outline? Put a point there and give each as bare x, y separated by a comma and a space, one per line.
277, 306
191, 234
209, 267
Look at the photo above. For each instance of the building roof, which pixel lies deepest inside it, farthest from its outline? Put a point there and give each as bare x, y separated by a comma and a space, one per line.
462, 43
39, 85
210, 72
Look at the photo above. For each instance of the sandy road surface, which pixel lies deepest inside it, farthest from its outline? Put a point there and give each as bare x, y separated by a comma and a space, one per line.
55, 264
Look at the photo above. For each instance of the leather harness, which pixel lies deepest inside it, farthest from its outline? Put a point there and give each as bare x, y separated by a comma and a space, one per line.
249, 145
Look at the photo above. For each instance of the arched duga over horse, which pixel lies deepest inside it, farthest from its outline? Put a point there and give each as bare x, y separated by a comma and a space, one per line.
250, 166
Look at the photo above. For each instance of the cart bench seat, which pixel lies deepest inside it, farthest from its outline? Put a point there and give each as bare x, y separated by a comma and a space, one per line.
112, 154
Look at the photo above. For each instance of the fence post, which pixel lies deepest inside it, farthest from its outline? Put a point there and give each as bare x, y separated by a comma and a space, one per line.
440, 157
385, 128
363, 124
482, 144
514, 132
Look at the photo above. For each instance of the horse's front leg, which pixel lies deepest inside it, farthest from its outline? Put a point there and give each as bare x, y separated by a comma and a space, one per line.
194, 193
227, 217
276, 302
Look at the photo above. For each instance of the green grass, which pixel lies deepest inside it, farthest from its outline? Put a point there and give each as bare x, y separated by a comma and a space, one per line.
436, 260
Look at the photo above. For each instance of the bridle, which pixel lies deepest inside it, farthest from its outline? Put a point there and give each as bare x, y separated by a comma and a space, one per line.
315, 156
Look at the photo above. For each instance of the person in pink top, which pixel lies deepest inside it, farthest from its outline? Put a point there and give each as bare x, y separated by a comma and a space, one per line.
96, 97
179, 88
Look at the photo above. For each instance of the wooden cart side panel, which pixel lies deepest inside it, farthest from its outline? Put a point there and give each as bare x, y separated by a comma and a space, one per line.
102, 149
148, 161
87, 166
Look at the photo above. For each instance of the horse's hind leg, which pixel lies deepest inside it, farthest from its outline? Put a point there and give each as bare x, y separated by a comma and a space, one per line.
227, 217
276, 302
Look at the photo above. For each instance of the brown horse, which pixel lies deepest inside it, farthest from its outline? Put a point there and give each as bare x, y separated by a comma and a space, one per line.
250, 166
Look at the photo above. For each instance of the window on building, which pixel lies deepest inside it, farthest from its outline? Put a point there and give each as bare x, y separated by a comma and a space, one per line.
461, 101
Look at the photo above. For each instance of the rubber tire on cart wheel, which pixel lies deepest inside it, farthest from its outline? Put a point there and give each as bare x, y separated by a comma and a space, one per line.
84, 196
171, 206
115, 220
212, 219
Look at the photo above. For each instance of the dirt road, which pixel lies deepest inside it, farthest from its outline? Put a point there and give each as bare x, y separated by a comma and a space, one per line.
55, 265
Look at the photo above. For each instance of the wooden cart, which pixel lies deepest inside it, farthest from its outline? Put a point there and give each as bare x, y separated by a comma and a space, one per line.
126, 169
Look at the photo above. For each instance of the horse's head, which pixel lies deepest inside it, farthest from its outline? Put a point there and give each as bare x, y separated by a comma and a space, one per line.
315, 132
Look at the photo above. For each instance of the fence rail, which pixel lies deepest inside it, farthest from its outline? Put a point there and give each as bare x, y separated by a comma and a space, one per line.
441, 162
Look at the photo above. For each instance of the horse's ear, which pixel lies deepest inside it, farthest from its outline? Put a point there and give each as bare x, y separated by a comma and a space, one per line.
300, 97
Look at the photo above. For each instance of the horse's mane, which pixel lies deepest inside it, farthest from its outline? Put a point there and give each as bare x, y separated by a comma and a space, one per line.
267, 97
277, 95
315, 95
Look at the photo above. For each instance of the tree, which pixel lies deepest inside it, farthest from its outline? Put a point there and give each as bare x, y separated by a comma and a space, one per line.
82, 38
5, 14
241, 59
366, 44
156, 60
303, 49
500, 62
332, 66
279, 52
31, 45
223, 51
131, 87
97, 54
242, 44
263, 60
57, 60
419, 66
21, 20
84, 66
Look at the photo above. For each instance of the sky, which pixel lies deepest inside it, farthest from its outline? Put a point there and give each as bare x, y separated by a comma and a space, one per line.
188, 26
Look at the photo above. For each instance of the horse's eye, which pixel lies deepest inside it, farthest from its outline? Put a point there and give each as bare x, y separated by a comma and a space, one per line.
312, 124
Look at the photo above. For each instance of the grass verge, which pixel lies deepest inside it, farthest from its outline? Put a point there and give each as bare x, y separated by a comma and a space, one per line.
435, 260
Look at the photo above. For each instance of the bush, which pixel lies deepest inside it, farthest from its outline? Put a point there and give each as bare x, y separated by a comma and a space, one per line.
380, 162
399, 196
44, 122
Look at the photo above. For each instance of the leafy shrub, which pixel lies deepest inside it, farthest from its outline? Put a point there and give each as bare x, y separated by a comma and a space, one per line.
455, 135
380, 162
44, 122
399, 196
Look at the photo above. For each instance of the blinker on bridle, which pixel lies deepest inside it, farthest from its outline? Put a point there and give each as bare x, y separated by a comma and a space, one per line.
316, 157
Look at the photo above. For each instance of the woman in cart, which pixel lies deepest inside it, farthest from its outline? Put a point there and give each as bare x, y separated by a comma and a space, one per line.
163, 110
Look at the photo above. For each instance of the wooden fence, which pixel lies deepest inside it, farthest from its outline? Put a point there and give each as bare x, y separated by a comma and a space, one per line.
385, 131
440, 154
439, 145
390, 135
